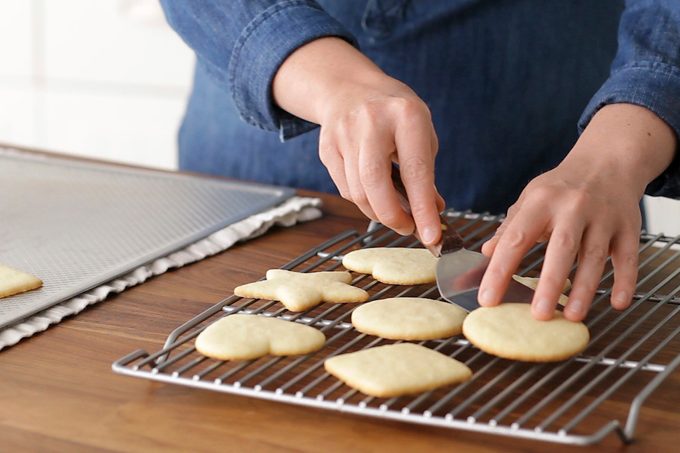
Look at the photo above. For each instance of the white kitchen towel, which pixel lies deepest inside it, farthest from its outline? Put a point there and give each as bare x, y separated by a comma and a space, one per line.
292, 211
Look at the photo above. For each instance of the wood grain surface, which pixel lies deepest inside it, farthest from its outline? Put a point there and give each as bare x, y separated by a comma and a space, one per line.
58, 392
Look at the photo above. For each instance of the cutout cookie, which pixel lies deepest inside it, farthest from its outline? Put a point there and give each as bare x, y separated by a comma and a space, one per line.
13, 282
509, 331
396, 369
409, 318
299, 291
394, 265
246, 337
532, 282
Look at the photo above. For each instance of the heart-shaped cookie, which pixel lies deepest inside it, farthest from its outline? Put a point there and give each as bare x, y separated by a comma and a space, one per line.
246, 337
394, 265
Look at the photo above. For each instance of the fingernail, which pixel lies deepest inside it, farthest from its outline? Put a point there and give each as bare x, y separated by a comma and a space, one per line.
575, 306
621, 297
543, 308
486, 296
429, 235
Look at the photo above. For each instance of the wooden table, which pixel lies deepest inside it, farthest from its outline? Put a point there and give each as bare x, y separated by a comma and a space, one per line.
58, 392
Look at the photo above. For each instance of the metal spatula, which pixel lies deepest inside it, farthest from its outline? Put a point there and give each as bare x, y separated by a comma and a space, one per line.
459, 270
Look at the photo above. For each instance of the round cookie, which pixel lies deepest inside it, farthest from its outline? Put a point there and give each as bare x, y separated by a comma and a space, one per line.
409, 318
394, 265
509, 331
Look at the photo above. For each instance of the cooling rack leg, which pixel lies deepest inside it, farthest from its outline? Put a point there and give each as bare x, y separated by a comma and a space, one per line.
123, 361
634, 412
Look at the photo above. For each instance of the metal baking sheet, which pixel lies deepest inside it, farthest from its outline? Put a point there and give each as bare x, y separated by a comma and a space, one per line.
77, 225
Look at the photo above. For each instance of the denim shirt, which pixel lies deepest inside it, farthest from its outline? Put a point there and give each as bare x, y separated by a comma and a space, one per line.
506, 82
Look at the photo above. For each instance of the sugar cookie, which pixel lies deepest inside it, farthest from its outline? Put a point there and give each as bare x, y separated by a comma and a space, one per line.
245, 337
509, 331
394, 265
396, 369
409, 318
13, 281
301, 291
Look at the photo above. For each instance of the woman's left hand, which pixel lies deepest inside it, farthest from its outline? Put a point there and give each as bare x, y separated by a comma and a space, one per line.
587, 209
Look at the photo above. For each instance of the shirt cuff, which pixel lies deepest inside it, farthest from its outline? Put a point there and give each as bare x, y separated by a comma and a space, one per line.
655, 86
261, 49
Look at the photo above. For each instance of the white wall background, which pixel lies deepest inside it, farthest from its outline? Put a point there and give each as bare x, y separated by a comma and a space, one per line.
105, 78
109, 79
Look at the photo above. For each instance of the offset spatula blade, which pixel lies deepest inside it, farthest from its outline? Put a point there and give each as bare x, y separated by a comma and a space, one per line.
459, 271
459, 275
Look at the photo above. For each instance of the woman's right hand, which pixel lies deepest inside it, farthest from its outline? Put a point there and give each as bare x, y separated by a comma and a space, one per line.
368, 120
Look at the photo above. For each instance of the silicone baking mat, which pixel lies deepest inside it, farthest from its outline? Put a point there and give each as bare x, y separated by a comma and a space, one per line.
76, 225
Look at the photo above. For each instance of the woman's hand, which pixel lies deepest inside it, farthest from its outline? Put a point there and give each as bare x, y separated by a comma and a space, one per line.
587, 209
368, 120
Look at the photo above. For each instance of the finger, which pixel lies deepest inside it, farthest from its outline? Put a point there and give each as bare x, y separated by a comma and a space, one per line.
560, 254
592, 258
349, 150
355, 188
332, 160
489, 246
414, 147
375, 168
519, 236
625, 261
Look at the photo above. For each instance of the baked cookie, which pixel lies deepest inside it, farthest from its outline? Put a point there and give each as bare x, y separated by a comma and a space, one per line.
299, 291
13, 281
394, 265
396, 369
246, 337
509, 331
409, 318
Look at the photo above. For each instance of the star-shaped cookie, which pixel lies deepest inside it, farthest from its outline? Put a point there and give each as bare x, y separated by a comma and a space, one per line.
301, 291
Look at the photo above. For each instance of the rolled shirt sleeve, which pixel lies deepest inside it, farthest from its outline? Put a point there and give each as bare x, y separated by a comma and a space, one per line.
242, 44
646, 72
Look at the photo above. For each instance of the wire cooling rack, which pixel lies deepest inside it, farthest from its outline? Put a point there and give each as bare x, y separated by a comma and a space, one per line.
571, 402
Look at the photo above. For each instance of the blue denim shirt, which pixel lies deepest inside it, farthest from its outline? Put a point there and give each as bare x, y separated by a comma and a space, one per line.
506, 82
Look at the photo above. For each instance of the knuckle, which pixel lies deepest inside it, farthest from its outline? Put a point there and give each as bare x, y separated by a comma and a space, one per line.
595, 253
552, 282
515, 239
564, 240
628, 259
410, 107
497, 272
327, 152
390, 219
344, 194
359, 197
370, 173
539, 193
344, 126
422, 211
579, 200
369, 112
415, 169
